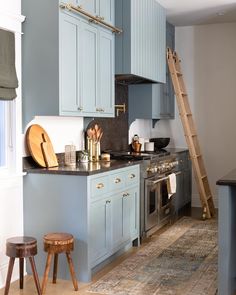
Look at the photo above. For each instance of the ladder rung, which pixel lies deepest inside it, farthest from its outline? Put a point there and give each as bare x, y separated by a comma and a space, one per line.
204, 176
185, 114
191, 135
179, 73
183, 94
196, 156
209, 197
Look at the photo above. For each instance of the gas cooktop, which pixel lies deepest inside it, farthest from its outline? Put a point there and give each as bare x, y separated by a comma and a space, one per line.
132, 156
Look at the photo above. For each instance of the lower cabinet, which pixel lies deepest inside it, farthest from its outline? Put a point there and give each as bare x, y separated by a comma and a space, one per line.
184, 182
114, 222
101, 211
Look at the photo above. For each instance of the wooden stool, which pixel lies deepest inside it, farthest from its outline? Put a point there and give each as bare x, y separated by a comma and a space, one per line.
56, 243
21, 247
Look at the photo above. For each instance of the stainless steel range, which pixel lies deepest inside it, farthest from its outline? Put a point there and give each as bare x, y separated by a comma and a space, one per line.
156, 208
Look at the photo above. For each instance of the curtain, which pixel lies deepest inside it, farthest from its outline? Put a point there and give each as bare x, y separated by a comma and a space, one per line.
8, 77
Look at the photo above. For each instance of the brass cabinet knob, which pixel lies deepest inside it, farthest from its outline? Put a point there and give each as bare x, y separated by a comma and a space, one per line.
117, 180
80, 109
100, 186
108, 202
132, 176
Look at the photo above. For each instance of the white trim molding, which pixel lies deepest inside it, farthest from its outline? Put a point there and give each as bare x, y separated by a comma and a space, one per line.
11, 22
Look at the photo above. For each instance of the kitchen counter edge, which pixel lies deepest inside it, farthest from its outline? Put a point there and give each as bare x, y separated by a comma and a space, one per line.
229, 179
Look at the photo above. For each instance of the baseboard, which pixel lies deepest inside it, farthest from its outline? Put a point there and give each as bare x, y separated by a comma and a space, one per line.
197, 203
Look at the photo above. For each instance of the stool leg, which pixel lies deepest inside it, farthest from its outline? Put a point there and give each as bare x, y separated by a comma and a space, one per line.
72, 271
35, 274
46, 272
9, 274
55, 268
21, 269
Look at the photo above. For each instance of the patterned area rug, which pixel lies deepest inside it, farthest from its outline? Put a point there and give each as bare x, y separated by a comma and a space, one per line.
180, 261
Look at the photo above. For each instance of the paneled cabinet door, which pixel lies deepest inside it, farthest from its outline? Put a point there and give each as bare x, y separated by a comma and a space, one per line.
120, 219
105, 102
89, 69
106, 10
91, 6
70, 86
100, 228
134, 212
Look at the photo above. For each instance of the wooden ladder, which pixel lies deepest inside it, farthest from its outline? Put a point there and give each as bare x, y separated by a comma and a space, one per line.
191, 134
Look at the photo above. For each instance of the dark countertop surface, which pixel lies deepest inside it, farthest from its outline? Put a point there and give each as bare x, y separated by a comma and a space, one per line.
84, 169
229, 179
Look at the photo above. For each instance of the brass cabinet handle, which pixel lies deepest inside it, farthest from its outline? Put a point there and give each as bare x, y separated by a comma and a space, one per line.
98, 110
126, 195
132, 176
102, 110
80, 109
117, 180
100, 185
108, 202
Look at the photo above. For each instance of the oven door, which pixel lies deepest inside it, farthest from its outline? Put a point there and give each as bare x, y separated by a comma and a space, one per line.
152, 192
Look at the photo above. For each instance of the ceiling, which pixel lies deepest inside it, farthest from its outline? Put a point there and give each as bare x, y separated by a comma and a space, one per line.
187, 13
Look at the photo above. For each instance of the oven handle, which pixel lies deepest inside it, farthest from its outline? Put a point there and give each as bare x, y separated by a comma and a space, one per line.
164, 178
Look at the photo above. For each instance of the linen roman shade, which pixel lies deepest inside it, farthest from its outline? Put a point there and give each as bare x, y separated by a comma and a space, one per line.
8, 78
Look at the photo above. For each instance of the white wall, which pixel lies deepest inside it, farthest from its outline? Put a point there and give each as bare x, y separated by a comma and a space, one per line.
11, 196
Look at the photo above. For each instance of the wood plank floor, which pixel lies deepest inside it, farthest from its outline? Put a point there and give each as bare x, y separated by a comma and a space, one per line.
66, 288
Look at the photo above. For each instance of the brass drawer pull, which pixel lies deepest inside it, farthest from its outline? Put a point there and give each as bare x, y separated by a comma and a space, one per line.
100, 186
108, 202
132, 176
80, 109
117, 180
126, 195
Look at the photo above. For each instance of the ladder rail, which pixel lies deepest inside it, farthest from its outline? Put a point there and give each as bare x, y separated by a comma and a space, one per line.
190, 134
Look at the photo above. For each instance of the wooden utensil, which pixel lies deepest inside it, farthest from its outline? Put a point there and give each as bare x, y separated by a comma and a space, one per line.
34, 140
49, 156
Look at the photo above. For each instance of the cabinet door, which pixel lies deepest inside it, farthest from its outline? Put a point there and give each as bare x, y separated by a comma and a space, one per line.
106, 76
91, 6
100, 229
70, 37
179, 196
106, 10
134, 212
120, 219
89, 69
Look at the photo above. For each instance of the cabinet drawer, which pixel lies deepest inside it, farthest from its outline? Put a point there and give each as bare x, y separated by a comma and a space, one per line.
117, 181
99, 186
132, 176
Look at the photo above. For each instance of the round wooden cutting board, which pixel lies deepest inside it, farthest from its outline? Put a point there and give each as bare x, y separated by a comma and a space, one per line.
35, 137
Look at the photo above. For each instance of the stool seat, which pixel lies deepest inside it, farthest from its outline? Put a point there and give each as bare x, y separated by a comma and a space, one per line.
54, 244
21, 247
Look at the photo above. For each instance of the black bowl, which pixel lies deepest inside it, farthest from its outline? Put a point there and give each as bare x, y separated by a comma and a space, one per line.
160, 142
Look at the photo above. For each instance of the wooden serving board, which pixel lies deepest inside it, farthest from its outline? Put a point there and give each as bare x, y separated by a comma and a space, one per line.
40, 146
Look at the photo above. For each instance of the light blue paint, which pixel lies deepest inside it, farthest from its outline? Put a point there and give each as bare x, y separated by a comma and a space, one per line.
102, 223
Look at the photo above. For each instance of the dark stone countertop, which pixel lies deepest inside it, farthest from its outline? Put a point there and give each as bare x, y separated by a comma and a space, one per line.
83, 169
229, 179
176, 150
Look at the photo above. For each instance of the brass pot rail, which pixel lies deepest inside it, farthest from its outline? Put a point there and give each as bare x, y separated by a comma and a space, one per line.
92, 18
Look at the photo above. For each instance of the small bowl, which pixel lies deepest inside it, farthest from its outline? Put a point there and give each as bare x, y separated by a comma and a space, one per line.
160, 142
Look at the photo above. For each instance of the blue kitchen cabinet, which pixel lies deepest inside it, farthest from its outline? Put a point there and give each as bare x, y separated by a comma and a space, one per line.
100, 229
184, 182
167, 96
68, 69
144, 102
92, 75
140, 49
100, 210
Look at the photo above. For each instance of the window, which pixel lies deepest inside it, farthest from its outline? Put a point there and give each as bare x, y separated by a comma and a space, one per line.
3, 134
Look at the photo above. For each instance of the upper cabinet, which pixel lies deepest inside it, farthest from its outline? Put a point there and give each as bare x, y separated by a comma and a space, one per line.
68, 62
140, 49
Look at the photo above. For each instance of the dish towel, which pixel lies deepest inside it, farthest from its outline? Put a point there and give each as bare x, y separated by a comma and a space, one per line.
8, 78
171, 184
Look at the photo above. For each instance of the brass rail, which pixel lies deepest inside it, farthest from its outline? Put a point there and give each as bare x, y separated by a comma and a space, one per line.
92, 18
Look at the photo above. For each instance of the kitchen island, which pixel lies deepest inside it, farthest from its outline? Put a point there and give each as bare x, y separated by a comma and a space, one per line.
227, 234
98, 203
